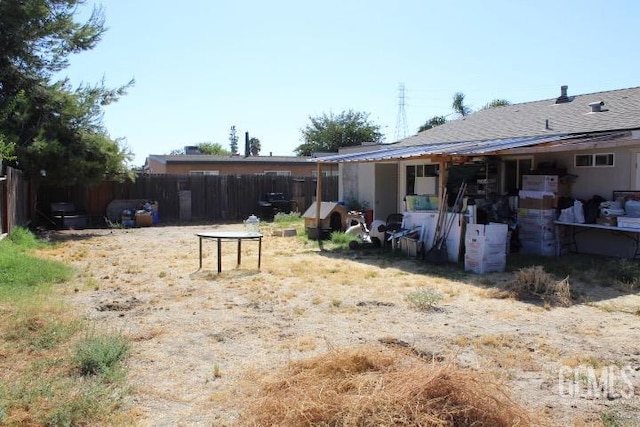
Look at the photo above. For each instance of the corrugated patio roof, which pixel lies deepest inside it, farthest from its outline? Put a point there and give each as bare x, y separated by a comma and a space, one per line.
463, 148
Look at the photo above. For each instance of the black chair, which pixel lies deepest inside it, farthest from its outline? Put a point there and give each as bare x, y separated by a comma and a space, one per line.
393, 225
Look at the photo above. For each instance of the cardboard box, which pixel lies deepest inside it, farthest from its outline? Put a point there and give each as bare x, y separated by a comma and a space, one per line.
486, 239
539, 232
144, 219
536, 200
496, 263
540, 183
548, 214
609, 220
539, 247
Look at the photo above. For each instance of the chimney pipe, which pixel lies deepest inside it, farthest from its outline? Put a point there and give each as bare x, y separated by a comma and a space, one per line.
247, 150
563, 95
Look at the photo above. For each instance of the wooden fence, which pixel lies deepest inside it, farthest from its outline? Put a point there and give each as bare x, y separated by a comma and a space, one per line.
192, 198
14, 200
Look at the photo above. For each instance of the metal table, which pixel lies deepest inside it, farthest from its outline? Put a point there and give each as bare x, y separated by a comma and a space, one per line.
568, 240
238, 236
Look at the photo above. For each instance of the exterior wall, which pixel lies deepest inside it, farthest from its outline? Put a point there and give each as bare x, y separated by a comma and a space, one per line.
597, 180
156, 167
366, 183
235, 168
357, 182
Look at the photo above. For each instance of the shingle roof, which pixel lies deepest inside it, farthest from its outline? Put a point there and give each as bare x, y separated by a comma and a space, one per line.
621, 111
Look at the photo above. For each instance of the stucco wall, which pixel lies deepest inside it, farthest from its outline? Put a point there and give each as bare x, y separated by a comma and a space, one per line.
597, 180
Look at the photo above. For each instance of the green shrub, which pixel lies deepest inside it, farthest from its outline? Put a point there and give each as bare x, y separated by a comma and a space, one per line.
25, 239
101, 354
22, 273
287, 218
424, 299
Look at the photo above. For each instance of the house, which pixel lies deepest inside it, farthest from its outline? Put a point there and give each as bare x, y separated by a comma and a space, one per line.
202, 164
590, 141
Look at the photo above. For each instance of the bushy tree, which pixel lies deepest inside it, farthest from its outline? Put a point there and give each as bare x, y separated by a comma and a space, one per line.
56, 130
327, 133
498, 102
212, 149
433, 122
254, 146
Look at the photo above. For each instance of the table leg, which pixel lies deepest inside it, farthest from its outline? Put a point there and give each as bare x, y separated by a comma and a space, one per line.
219, 255
239, 251
200, 268
259, 251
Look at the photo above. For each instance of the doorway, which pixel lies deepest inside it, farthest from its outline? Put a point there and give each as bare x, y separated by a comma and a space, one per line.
513, 169
386, 190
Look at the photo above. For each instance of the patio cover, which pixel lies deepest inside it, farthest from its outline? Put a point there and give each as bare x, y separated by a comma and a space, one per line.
463, 148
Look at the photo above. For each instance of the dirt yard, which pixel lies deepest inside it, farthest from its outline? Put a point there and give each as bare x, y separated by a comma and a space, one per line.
199, 338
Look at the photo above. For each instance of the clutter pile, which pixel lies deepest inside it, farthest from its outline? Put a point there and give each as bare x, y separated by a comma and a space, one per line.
485, 248
536, 214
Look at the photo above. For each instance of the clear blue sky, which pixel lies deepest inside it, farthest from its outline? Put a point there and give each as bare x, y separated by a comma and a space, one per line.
201, 66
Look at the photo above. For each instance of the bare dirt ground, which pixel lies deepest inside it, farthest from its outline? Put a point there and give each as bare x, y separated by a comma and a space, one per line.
198, 335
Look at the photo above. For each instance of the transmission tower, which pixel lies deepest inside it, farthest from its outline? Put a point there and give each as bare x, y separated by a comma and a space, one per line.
401, 121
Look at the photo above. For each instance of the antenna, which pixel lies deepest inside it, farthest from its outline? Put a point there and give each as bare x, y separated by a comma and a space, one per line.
401, 121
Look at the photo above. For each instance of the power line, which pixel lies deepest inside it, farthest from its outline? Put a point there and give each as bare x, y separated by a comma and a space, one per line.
402, 130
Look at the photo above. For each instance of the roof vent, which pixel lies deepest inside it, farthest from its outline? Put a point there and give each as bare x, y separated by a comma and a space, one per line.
563, 95
596, 107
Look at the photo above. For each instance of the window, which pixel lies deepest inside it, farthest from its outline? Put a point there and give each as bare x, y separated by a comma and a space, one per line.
595, 160
204, 172
326, 173
277, 173
416, 182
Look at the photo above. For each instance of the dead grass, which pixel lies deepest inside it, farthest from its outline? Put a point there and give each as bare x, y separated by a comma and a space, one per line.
535, 282
374, 386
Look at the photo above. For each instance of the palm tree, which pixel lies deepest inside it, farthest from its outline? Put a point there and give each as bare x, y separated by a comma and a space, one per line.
458, 105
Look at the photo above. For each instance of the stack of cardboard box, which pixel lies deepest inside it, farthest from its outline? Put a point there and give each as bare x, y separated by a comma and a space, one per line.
536, 214
485, 248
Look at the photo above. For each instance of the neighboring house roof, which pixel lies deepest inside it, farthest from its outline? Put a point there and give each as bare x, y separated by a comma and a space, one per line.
204, 158
620, 111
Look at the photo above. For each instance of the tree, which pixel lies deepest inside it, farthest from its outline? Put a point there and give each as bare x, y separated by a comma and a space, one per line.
459, 106
496, 103
254, 146
212, 149
233, 140
433, 122
57, 130
327, 133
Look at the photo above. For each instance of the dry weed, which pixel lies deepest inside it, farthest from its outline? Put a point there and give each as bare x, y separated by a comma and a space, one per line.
535, 282
373, 386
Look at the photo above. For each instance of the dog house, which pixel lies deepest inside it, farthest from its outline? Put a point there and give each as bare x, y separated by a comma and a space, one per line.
333, 217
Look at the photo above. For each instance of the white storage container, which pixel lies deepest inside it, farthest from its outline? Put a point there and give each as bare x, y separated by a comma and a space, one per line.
628, 222
540, 183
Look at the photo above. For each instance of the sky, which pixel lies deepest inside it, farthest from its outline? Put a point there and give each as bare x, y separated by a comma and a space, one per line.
267, 67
